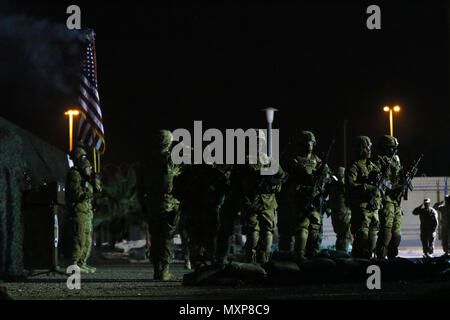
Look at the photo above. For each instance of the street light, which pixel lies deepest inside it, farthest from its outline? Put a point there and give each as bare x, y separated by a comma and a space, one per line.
270, 112
391, 117
71, 113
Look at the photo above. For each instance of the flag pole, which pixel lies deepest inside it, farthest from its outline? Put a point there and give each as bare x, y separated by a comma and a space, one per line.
98, 159
95, 159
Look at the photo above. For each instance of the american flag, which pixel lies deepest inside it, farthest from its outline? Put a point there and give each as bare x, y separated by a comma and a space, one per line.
90, 127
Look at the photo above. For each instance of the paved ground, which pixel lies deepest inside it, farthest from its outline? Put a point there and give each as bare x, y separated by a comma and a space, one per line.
118, 279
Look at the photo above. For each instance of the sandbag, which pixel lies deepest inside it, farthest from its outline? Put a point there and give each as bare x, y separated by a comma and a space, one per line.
204, 276
245, 271
283, 272
332, 254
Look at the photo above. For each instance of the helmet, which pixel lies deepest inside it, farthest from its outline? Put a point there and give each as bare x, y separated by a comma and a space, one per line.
261, 135
163, 139
84, 163
388, 141
306, 137
363, 146
340, 172
78, 152
387, 145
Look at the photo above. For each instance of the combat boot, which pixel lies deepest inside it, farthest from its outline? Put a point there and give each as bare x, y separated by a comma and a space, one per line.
87, 267
250, 246
300, 247
166, 275
264, 250
84, 270
156, 271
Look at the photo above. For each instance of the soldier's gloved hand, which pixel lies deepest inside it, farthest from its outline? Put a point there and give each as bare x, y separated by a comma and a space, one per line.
97, 175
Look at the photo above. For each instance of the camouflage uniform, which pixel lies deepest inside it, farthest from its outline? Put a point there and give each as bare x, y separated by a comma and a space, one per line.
391, 214
162, 205
259, 205
340, 213
428, 224
80, 190
359, 185
444, 224
296, 218
202, 198
229, 213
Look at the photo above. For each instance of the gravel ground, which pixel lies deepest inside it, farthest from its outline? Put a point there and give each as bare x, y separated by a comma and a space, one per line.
120, 280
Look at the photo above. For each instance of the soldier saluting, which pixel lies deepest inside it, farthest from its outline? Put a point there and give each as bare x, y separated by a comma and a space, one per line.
428, 224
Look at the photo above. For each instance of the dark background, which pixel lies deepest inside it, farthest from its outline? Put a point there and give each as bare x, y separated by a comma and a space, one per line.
166, 64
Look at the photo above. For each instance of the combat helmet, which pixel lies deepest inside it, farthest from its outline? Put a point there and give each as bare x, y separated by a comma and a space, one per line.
306, 136
261, 135
84, 163
340, 173
78, 152
362, 145
387, 142
163, 139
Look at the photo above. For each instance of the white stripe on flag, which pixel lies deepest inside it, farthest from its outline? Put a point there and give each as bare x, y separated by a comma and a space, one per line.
92, 116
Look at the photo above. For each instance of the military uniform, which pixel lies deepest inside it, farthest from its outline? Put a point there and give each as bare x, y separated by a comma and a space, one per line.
229, 214
360, 188
79, 195
391, 214
162, 205
202, 198
297, 218
258, 207
428, 224
340, 213
444, 224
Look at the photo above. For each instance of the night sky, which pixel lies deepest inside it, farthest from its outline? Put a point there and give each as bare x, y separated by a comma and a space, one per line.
166, 64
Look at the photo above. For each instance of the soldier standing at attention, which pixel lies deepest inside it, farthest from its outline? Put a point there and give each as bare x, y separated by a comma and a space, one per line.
391, 215
340, 213
259, 205
162, 205
428, 224
444, 221
360, 189
306, 219
80, 188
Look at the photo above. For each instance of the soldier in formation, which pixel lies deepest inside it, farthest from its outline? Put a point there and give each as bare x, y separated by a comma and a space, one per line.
364, 201
163, 208
302, 217
340, 213
391, 214
81, 186
259, 205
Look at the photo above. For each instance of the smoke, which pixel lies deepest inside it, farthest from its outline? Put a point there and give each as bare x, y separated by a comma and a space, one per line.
38, 57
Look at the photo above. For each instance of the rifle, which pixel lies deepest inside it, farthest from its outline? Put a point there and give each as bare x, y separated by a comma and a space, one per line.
381, 183
319, 178
407, 179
